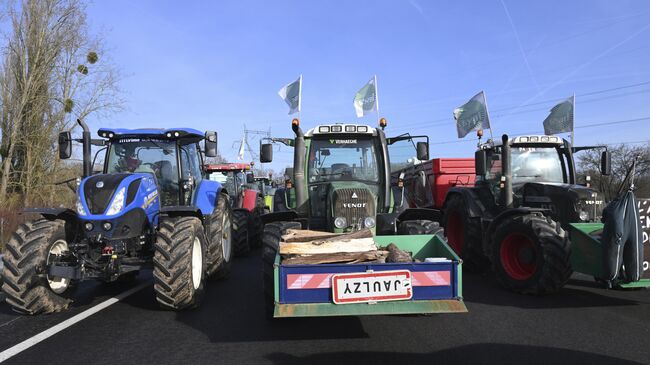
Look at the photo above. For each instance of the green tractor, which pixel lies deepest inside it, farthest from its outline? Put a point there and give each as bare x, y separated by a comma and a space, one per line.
526, 216
341, 182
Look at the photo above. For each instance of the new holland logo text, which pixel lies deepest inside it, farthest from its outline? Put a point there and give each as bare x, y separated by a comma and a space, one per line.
354, 205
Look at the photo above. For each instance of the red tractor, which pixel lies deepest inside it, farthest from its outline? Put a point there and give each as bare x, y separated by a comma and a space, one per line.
246, 201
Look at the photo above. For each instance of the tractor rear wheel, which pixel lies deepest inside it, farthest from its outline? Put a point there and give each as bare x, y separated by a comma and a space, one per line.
270, 245
415, 227
530, 254
256, 224
464, 234
179, 263
220, 251
240, 234
28, 288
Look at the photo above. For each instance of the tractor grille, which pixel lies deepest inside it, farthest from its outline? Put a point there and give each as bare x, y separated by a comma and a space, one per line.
97, 199
353, 204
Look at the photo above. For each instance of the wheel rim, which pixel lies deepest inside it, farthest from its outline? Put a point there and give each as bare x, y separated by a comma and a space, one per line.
226, 237
455, 232
57, 284
197, 263
518, 256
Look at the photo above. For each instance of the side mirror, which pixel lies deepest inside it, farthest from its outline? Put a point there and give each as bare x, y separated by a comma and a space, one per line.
65, 145
480, 162
606, 163
288, 172
423, 151
250, 179
211, 144
266, 153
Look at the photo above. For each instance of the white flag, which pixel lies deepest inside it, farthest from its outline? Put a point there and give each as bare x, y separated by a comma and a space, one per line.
560, 119
291, 95
366, 100
472, 115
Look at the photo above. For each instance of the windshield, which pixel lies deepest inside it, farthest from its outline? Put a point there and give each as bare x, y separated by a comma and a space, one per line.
229, 179
533, 164
155, 157
343, 159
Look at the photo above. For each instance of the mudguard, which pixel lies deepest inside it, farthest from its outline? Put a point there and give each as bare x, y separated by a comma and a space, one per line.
622, 239
205, 196
471, 198
408, 214
54, 213
181, 211
288, 215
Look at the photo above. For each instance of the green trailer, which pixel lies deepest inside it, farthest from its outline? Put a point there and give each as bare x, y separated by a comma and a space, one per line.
433, 283
587, 254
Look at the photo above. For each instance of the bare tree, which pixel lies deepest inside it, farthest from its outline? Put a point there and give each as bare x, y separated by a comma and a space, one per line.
622, 158
53, 72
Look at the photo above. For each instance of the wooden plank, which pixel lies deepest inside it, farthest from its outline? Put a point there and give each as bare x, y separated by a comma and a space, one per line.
305, 235
328, 247
341, 257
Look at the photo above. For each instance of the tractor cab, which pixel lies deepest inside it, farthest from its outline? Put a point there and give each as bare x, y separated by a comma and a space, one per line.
541, 175
341, 176
233, 176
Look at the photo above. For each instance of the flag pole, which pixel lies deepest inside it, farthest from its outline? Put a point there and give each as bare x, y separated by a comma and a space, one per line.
377, 98
487, 111
300, 100
573, 119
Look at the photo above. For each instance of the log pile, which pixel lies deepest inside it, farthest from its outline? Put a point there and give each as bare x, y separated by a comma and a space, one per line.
307, 247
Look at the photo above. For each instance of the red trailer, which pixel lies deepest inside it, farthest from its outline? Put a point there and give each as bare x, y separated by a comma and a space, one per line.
426, 184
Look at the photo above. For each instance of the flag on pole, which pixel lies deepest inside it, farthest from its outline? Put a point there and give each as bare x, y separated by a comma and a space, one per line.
366, 100
560, 119
472, 115
291, 95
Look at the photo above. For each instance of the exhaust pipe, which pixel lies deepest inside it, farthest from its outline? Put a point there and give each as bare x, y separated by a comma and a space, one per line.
506, 173
299, 165
86, 145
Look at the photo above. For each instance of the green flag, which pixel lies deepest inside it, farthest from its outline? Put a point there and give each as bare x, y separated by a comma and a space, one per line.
291, 95
366, 101
472, 115
560, 119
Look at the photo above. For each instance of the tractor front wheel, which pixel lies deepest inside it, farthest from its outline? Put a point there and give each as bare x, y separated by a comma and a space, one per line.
270, 245
28, 287
530, 254
179, 263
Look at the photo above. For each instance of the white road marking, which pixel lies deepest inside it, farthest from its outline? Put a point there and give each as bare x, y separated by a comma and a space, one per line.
12, 351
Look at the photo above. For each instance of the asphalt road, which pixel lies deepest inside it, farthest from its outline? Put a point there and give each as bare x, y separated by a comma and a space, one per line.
582, 324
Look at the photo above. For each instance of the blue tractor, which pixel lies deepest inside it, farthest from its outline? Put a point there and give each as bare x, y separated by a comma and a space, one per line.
151, 206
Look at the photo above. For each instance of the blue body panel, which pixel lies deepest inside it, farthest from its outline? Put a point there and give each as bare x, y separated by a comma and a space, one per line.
146, 198
205, 196
324, 295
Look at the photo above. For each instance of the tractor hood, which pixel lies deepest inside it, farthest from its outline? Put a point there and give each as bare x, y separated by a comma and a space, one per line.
570, 203
108, 195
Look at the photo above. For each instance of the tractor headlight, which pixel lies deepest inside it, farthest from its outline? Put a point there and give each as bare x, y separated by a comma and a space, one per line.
80, 208
340, 222
118, 203
369, 222
583, 215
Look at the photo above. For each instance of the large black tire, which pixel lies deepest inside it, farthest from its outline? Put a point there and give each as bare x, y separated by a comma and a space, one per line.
177, 282
240, 234
220, 250
28, 288
464, 234
270, 244
415, 227
531, 254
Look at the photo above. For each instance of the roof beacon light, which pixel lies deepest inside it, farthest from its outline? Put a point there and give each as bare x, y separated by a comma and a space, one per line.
295, 121
383, 123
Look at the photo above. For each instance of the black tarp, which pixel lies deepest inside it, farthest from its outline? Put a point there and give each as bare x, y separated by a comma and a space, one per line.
622, 239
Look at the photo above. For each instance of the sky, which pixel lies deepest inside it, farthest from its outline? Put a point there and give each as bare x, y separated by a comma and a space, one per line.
218, 65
